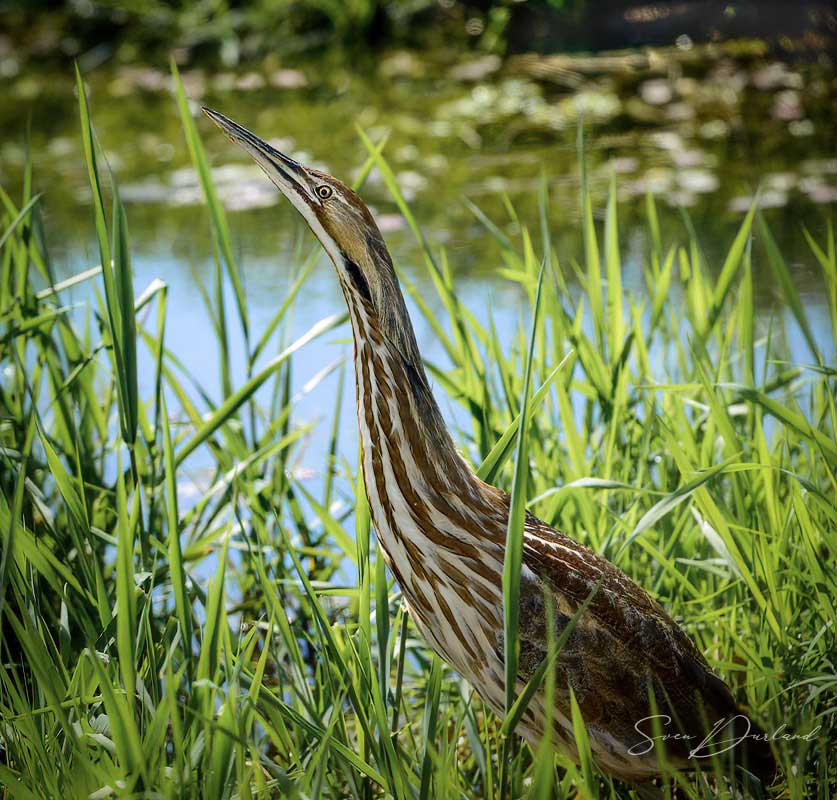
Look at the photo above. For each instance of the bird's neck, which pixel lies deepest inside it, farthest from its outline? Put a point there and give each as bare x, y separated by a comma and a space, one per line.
407, 448
392, 387
441, 529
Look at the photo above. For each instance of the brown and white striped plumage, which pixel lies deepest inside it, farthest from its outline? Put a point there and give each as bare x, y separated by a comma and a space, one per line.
443, 530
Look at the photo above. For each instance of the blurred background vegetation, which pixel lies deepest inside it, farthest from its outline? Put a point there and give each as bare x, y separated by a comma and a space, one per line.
236, 32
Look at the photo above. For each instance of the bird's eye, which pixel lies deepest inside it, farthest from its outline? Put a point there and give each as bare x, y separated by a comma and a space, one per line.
324, 192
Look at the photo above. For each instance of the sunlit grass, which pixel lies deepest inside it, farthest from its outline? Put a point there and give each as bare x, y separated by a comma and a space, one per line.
676, 438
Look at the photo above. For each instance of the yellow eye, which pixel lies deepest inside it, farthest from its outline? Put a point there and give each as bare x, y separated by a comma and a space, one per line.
324, 192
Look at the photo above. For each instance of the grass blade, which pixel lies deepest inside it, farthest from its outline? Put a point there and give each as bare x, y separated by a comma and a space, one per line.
513, 559
237, 399
217, 215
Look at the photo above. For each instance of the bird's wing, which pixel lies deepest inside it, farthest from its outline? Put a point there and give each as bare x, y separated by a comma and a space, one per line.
624, 647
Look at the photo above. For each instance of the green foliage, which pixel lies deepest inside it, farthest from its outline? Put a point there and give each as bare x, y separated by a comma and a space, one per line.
672, 436
230, 30
517, 514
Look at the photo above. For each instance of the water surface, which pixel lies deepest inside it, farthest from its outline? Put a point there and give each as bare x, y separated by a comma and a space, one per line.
701, 129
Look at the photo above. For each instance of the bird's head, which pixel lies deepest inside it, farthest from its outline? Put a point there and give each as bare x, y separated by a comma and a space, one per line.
336, 215
349, 234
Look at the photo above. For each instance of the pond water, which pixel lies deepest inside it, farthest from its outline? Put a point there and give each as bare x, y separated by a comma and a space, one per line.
701, 128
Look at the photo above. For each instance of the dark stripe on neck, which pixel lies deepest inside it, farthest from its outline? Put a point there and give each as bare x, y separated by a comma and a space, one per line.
358, 280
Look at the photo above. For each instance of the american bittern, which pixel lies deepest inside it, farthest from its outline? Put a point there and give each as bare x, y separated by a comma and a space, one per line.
443, 533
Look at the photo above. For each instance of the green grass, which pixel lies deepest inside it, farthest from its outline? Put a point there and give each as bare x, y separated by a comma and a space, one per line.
673, 436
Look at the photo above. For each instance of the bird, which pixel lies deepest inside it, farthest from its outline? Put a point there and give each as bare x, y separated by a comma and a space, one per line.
442, 531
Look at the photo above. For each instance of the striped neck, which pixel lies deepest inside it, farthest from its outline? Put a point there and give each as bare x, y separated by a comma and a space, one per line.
441, 529
394, 397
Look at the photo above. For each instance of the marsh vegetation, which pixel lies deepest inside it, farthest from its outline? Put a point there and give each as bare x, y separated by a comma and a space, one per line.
191, 607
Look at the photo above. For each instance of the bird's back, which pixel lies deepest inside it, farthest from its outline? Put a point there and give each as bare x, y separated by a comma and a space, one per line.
626, 661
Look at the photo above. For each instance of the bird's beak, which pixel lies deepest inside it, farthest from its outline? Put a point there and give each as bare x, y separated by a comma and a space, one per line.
289, 176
